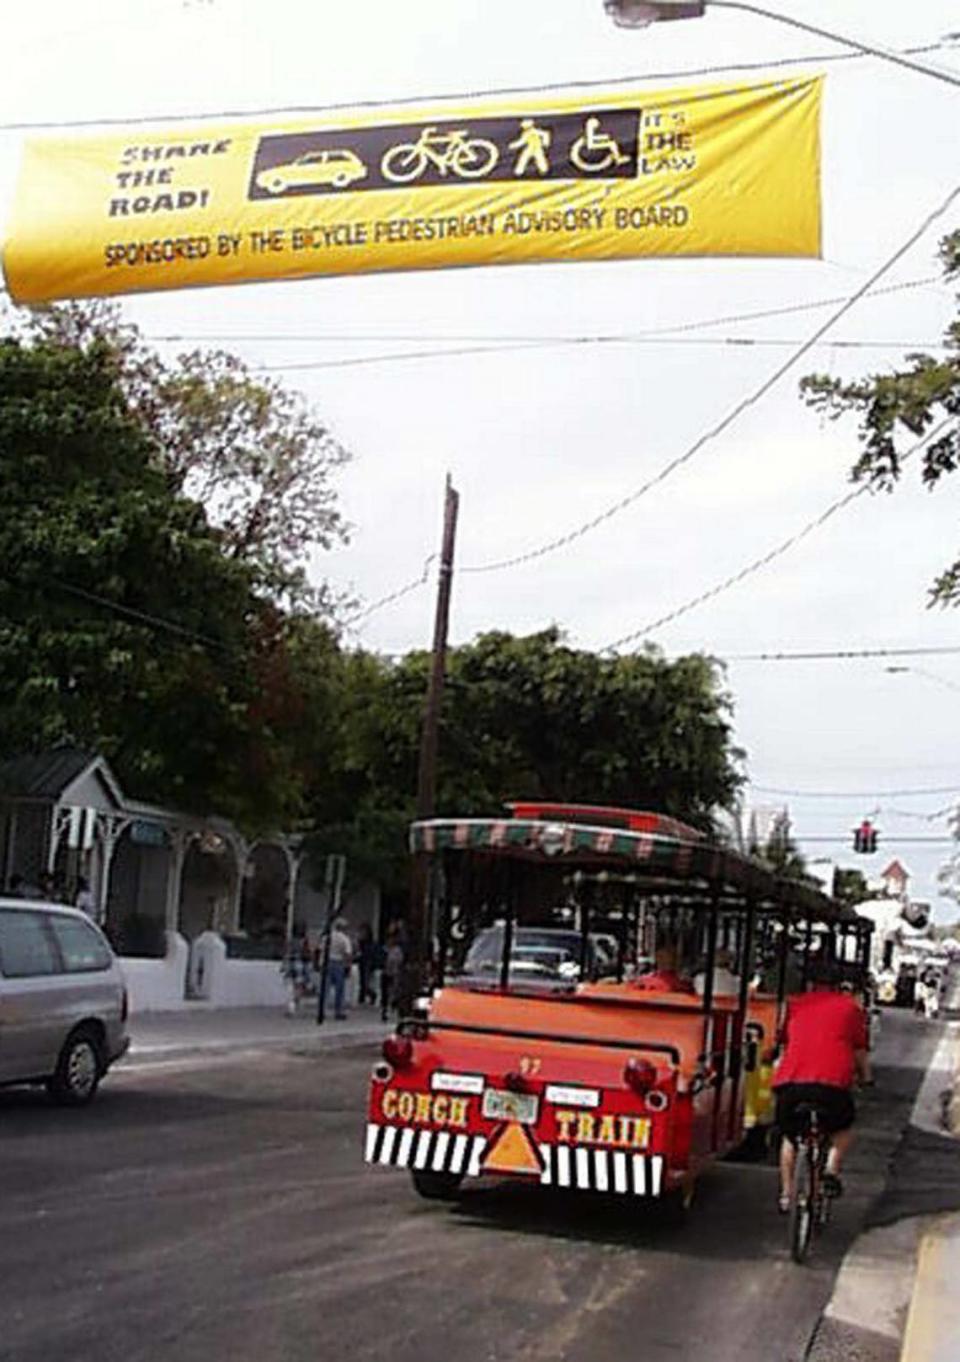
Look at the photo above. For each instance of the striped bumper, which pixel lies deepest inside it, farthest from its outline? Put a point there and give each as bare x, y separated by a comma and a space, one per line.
588, 1170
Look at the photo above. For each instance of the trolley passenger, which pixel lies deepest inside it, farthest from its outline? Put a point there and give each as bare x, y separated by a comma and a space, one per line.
665, 976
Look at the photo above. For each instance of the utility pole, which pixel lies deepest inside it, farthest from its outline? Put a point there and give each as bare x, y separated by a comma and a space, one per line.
418, 921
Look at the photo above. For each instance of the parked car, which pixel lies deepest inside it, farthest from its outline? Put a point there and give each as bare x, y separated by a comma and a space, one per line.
538, 956
63, 1003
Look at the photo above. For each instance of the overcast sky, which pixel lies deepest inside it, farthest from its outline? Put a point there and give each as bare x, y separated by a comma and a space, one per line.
539, 441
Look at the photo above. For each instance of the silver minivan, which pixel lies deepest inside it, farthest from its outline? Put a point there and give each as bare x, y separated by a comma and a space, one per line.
63, 1004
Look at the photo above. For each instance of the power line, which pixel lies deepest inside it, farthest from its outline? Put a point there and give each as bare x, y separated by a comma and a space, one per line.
404, 101
783, 547
393, 595
731, 416
855, 794
140, 616
888, 838
420, 337
558, 342
844, 654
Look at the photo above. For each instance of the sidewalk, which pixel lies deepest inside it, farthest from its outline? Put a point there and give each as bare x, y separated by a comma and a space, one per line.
911, 1178
933, 1324
166, 1035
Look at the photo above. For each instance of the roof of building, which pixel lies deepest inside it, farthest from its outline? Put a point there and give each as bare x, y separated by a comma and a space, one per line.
895, 871
43, 775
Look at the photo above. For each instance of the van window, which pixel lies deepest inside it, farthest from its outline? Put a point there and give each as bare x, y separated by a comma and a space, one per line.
25, 947
81, 947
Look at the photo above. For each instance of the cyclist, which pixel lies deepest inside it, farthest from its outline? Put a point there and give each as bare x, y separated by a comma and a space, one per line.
825, 1051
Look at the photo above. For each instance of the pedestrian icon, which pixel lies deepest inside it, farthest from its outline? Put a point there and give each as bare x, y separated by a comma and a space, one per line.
595, 150
532, 143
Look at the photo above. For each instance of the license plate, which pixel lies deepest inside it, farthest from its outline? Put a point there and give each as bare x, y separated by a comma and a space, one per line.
510, 1106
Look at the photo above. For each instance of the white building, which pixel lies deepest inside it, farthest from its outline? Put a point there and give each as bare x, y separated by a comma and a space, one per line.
196, 910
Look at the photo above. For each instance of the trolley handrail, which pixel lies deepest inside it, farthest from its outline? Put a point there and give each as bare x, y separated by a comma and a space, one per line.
416, 1025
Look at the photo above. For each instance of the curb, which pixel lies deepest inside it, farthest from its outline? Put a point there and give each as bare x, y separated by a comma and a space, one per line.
933, 1322
932, 1333
300, 1043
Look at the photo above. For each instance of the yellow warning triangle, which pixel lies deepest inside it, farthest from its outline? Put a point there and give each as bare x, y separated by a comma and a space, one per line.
512, 1151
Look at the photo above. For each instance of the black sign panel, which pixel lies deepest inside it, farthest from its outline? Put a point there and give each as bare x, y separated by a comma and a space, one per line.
588, 145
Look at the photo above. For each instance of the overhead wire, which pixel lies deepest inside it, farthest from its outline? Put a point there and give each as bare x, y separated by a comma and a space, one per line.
772, 554
855, 794
547, 87
730, 417
842, 654
157, 622
392, 596
560, 342
697, 324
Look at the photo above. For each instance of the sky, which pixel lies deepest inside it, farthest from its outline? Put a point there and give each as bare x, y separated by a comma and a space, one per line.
540, 441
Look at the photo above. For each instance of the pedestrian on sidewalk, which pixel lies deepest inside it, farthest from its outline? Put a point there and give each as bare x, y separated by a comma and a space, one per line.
84, 899
339, 957
928, 992
297, 969
366, 962
393, 958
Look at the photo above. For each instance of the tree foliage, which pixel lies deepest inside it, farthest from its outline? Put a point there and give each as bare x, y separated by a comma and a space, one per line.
126, 624
922, 397
850, 886
530, 717
780, 852
250, 451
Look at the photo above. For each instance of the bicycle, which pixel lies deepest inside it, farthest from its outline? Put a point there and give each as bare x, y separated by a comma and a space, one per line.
450, 152
809, 1203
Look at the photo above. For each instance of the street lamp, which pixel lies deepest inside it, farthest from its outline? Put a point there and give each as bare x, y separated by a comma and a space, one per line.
642, 13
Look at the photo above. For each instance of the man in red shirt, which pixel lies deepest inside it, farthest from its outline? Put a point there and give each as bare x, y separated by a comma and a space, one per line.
825, 1052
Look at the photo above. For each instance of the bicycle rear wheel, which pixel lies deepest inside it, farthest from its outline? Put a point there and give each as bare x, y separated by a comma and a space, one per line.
802, 1204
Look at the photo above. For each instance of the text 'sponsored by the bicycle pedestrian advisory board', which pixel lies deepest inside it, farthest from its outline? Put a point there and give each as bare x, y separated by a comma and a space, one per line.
710, 171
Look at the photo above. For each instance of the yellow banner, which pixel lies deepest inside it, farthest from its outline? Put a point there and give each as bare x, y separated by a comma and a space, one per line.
705, 171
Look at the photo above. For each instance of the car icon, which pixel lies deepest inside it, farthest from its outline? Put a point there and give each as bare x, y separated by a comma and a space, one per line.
335, 166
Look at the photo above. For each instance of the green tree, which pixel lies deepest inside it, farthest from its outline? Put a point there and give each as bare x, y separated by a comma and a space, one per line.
780, 852
850, 886
527, 718
126, 625
250, 451
922, 397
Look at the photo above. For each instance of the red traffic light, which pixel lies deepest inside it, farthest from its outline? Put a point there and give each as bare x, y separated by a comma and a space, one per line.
865, 838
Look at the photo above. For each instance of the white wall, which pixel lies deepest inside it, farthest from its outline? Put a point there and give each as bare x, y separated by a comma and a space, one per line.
158, 985
221, 982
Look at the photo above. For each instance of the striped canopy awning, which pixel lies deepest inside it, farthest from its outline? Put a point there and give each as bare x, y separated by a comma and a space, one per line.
643, 858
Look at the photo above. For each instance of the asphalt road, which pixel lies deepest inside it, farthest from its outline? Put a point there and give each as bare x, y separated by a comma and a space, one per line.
217, 1209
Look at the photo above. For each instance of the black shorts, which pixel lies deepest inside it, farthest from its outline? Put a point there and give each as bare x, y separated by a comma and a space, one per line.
834, 1106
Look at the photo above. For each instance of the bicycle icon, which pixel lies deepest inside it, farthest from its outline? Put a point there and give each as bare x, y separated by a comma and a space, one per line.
595, 151
454, 153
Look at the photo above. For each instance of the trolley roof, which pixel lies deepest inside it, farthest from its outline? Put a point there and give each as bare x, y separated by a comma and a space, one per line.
649, 850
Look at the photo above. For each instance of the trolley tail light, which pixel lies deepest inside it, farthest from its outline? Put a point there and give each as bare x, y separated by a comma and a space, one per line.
639, 1075
398, 1051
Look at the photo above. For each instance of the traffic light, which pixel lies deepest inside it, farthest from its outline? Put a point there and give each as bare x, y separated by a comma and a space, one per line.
865, 838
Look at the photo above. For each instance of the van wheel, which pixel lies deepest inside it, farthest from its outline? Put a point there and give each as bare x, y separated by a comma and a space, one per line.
79, 1069
437, 1186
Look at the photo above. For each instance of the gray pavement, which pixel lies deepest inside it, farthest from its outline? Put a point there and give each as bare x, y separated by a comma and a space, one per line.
163, 1035
216, 1207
